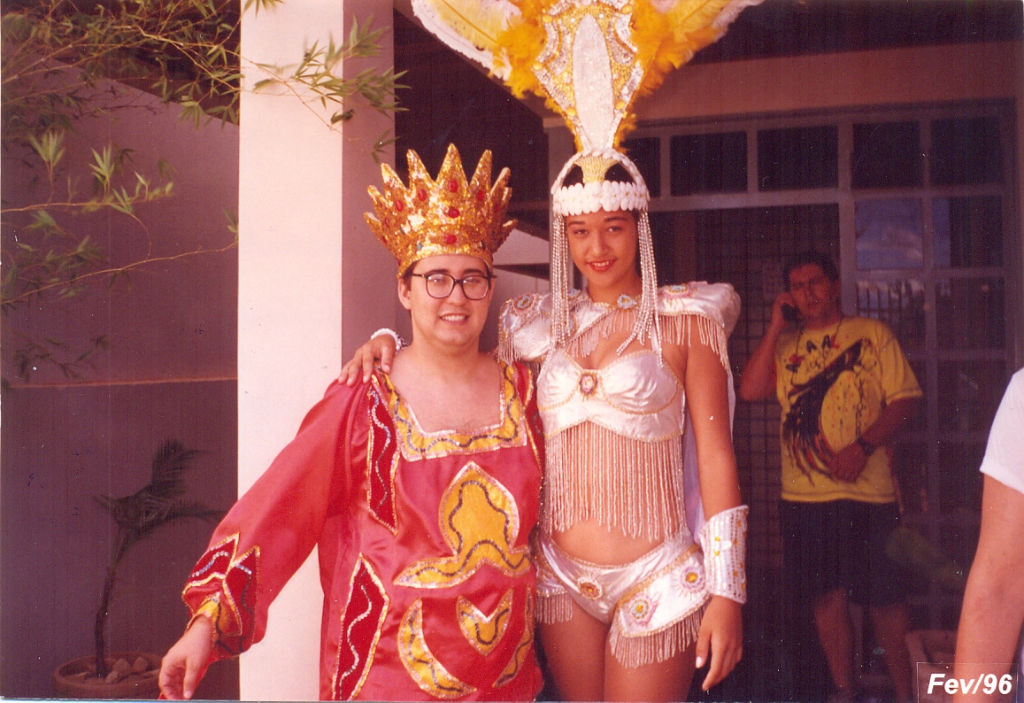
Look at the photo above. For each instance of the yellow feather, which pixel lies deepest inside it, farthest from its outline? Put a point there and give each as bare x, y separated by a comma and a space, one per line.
471, 27
668, 40
507, 36
521, 44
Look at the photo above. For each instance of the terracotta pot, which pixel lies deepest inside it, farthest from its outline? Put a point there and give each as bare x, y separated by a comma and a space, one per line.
75, 679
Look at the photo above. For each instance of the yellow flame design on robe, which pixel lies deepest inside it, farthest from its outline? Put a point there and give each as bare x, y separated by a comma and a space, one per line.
479, 519
428, 673
482, 631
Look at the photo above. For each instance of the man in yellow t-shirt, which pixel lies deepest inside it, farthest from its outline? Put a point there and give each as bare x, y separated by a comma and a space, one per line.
846, 389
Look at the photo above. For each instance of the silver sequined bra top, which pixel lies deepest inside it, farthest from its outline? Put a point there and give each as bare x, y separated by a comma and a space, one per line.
614, 445
635, 396
615, 436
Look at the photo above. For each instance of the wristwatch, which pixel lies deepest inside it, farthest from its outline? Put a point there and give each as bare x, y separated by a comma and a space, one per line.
867, 447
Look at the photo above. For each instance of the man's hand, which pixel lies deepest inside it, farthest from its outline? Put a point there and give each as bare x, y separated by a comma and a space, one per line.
757, 382
721, 635
185, 663
380, 348
849, 463
778, 319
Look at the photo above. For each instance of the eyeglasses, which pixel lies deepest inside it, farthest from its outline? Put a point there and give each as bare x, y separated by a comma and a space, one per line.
440, 285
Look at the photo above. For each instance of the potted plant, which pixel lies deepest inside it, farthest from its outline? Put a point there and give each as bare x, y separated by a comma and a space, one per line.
137, 516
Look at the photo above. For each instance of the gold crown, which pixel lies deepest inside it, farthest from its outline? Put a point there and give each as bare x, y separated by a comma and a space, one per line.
443, 216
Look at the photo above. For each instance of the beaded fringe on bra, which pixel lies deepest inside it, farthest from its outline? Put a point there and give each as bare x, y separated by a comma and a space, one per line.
596, 474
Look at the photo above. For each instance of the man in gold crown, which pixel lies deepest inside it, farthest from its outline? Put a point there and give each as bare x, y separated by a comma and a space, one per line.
418, 489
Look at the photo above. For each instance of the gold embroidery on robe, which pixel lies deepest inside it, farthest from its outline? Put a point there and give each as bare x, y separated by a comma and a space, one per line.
523, 650
417, 444
381, 460
484, 632
424, 668
479, 519
230, 608
361, 625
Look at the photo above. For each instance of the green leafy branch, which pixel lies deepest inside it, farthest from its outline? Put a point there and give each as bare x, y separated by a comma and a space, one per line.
31, 353
65, 60
48, 257
317, 71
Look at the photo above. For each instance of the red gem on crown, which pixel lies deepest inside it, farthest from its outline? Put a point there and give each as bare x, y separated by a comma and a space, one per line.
450, 212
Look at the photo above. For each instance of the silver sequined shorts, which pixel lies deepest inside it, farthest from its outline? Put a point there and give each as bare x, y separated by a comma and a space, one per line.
645, 596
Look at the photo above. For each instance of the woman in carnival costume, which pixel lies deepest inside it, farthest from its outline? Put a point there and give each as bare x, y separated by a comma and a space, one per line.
635, 587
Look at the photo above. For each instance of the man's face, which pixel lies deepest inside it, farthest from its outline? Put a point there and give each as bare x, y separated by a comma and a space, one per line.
815, 296
453, 321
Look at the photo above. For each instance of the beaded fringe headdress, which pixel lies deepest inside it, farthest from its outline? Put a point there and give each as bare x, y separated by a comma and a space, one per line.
592, 195
590, 60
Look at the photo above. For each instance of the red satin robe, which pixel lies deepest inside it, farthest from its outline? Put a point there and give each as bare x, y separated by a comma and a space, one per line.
423, 546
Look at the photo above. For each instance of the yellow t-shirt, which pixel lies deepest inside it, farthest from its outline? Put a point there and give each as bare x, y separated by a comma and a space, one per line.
832, 384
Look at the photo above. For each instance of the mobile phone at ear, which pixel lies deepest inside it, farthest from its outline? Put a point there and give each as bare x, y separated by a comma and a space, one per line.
789, 314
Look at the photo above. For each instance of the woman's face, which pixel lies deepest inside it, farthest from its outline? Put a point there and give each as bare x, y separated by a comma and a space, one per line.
603, 245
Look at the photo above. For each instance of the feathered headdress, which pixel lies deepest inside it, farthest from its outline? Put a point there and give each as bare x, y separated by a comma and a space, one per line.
590, 60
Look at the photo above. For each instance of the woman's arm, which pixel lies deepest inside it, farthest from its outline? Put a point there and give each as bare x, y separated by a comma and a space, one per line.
705, 382
381, 347
523, 335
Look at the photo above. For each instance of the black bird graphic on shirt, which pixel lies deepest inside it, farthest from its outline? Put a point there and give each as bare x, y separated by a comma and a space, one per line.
801, 427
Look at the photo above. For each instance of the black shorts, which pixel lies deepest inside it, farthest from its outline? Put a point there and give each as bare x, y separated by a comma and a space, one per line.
840, 544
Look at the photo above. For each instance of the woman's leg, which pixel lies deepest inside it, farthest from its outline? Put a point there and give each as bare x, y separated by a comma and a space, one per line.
667, 680
575, 652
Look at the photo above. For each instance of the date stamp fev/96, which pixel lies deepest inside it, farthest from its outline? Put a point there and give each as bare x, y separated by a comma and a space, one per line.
983, 682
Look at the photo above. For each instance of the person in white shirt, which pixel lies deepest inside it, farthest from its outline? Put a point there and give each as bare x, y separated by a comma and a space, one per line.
993, 611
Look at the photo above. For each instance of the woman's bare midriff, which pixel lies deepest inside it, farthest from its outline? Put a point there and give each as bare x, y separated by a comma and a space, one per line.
601, 544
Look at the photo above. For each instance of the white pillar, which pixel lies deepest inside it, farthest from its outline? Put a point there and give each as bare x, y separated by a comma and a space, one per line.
313, 283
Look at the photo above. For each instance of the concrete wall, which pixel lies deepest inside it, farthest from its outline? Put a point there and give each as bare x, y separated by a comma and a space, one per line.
865, 78
169, 372
314, 283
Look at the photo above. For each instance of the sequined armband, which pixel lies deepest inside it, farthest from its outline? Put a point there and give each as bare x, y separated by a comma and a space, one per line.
400, 343
724, 539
